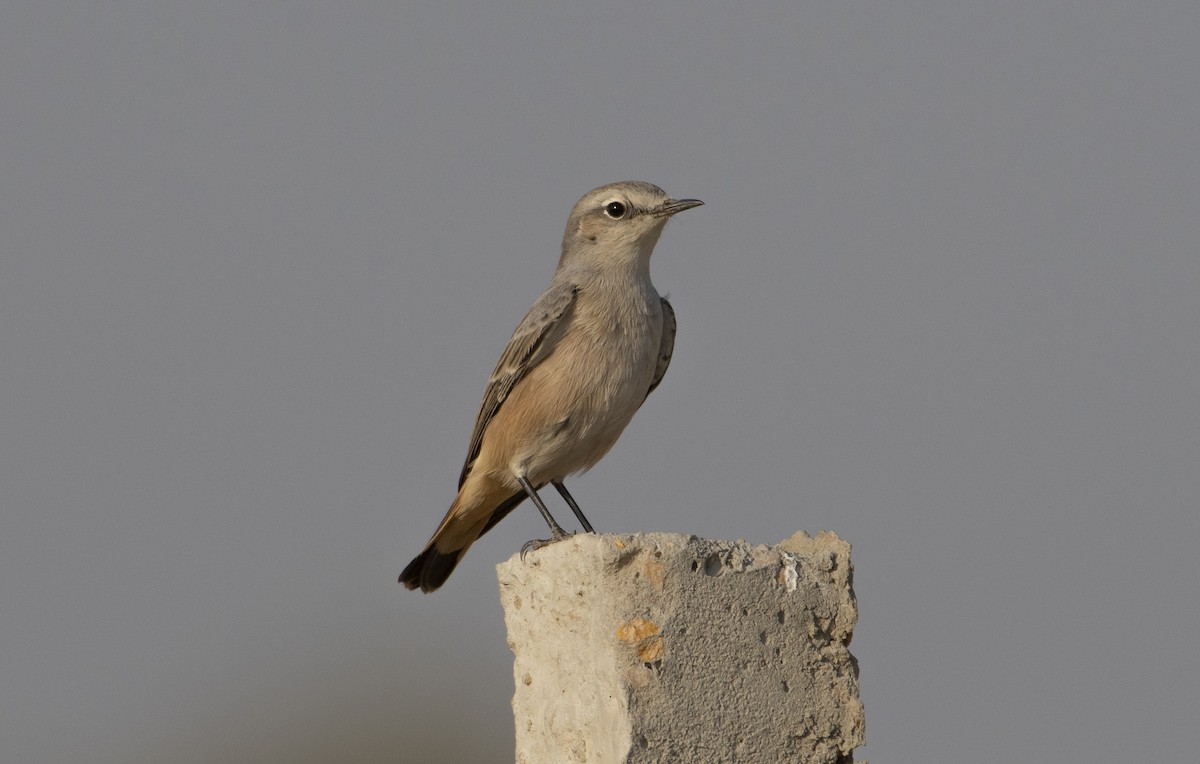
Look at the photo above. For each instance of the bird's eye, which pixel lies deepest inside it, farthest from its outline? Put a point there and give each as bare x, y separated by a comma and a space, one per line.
614, 210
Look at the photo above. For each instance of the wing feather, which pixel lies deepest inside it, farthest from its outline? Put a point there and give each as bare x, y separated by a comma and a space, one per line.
666, 345
533, 340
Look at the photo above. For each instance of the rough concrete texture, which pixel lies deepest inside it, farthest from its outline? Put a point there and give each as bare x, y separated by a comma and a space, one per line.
660, 647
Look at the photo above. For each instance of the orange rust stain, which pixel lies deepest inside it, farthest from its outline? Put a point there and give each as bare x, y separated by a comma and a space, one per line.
643, 635
636, 629
651, 650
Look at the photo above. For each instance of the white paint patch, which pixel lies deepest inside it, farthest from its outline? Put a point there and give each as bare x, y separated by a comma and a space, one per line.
791, 577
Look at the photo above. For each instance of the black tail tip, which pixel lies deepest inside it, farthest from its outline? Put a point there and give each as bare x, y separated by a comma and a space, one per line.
430, 569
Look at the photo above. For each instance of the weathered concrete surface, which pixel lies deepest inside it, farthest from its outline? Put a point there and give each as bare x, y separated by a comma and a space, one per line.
661, 647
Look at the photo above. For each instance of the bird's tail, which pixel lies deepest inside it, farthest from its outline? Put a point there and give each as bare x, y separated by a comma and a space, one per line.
478, 506
431, 568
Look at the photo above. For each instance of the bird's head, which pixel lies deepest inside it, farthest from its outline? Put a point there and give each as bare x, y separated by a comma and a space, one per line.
617, 225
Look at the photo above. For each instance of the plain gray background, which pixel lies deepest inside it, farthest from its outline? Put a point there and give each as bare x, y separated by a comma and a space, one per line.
259, 259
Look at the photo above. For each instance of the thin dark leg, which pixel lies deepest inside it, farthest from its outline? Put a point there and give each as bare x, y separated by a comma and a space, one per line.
556, 531
562, 489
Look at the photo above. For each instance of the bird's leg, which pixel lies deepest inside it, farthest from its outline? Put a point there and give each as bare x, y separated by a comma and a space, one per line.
556, 531
562, 489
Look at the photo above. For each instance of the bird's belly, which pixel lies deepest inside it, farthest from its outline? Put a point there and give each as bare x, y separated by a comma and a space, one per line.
591, 404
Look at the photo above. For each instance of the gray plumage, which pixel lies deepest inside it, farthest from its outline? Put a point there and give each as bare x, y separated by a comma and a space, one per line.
594, 345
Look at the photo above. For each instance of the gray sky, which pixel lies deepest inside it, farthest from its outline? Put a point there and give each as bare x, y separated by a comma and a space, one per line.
259, 259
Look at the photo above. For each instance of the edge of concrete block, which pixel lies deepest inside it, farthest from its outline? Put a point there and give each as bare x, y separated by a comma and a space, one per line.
665, 647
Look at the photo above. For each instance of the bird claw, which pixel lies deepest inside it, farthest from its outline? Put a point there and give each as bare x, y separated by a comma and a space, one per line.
535, 544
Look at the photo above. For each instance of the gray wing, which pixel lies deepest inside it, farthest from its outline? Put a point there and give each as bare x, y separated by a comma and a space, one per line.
666, 345
534, 339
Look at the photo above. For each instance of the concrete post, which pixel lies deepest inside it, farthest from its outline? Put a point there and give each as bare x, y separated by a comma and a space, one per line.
660, 647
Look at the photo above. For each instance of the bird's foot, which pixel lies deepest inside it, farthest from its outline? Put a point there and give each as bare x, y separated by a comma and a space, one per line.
535, 544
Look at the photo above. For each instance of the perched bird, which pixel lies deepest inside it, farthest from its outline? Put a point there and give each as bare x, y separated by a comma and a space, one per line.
582, 361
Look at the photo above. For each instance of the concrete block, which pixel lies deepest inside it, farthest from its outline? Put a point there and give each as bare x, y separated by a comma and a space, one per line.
660, 647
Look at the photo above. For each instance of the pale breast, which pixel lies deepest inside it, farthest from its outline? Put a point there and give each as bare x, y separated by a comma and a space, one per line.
579, 400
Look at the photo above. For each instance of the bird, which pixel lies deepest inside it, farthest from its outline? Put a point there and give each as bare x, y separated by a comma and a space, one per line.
594, 345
